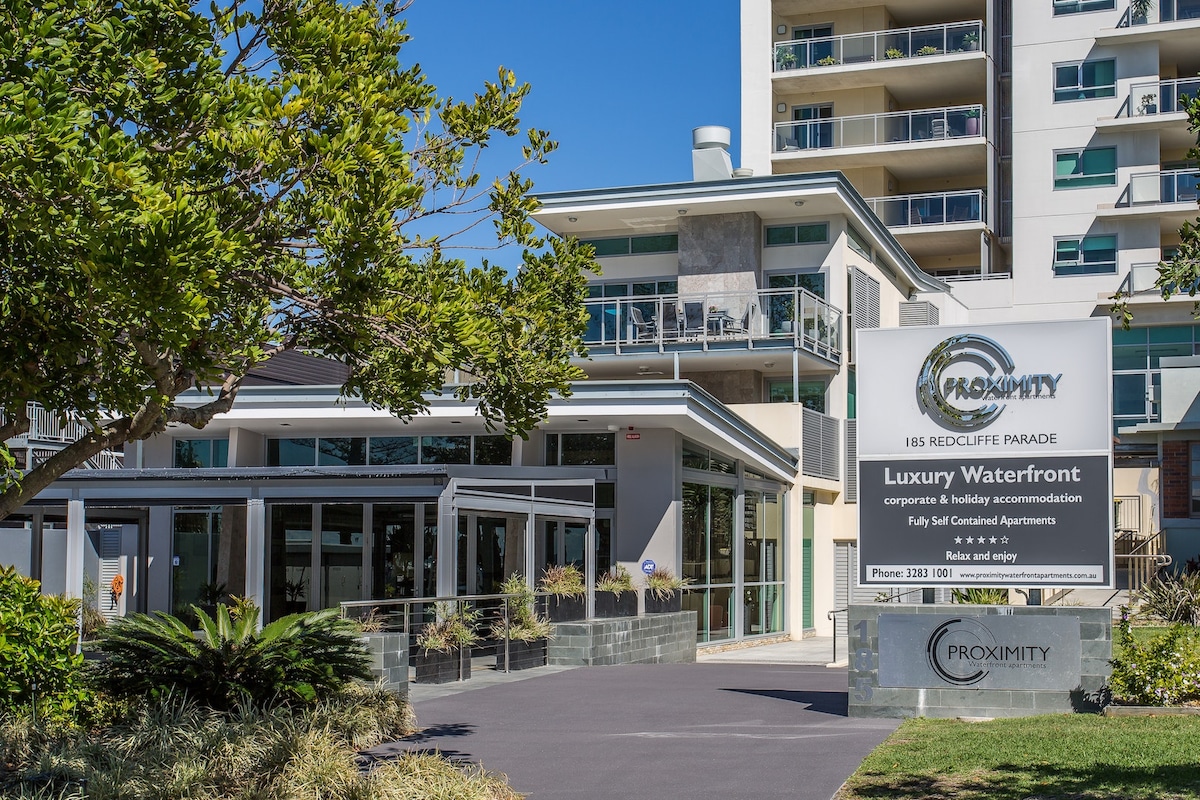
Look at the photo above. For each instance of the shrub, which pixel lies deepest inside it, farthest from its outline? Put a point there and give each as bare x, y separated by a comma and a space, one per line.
1171, 598
453, 627
983, 597
1164, 670
563, 581
662, 583
893, 52
301, 657
616, 581
524, 623
38, 643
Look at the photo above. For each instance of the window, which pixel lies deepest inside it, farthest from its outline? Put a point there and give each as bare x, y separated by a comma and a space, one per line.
291, 452
1076, 169
342, 452
858, 242
445, 449
698, 457
493, 451
1078, 6
812, 281
581, 449
809, 233
1085, 80
635, 245
197, 453
812, 393
393, 450
1089, 255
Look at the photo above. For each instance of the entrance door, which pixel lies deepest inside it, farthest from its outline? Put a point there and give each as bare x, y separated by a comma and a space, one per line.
341, 553
811, 52
813, 133
195, 543
563, 542
490, 548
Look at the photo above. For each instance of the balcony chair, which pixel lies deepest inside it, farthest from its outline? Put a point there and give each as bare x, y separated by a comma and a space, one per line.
740, 326
669, 324
693, 319
642, 330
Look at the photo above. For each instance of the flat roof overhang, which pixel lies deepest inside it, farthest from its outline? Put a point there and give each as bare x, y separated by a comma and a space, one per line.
1172, 128
940, 240
916, 81
906, 12
963, 156
1170, 216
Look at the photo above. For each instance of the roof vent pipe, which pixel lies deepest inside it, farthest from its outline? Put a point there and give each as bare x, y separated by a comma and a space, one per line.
710, 153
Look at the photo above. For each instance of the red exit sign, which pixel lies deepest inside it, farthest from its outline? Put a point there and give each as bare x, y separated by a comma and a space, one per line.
633, 436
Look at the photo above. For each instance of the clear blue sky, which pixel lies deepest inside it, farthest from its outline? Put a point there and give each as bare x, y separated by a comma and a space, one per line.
619, 84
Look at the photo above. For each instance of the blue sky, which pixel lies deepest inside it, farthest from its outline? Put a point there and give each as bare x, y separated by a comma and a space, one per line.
619, 84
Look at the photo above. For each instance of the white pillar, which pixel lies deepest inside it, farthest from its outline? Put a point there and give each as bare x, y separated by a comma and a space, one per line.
589, 564
76, 541
256, 550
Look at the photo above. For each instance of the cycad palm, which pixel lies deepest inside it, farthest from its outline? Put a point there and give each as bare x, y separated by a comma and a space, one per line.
297, 658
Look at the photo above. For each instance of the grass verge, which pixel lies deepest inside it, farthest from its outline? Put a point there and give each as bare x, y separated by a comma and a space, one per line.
1061, 757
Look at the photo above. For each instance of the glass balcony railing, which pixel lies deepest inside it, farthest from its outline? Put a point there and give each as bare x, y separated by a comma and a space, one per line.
1173, 186
1167, 11
857, 48
781, 315
898, 127
936, 208
1161, 97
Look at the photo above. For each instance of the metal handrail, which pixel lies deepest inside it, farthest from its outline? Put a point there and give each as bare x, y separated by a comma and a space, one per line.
931, 208
1160, 97
830, 616
888, 45
868, 130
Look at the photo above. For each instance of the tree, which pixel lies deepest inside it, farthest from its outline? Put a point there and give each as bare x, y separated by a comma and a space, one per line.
186, 192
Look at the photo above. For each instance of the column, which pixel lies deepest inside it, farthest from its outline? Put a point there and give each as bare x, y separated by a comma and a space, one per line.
256, 550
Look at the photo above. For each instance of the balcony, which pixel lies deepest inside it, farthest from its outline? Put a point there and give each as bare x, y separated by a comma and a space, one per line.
48, 434
935, 223
1172, 24
1170, 197
1160, 106
729, 321
911, 144
1167, 11
910, 61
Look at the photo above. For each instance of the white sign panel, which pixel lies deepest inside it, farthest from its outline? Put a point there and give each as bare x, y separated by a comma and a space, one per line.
985, 455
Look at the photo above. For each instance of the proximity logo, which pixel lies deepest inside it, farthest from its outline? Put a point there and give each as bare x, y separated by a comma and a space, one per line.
963, 651
967, 369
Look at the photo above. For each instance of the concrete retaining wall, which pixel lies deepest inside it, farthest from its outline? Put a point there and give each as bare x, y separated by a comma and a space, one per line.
389, 659
649, 639
869, 699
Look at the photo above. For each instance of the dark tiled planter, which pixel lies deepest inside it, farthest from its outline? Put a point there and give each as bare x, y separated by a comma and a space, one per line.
522, 655
670, 605
435, 666
610, 605
566, 609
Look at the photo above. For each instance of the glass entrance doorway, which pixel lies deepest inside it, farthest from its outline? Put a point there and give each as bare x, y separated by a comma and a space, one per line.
489, 549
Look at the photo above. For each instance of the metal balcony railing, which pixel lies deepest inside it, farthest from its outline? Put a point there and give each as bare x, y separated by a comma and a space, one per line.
868, 130
1167, 11
935, 208
1172, 186
857, 48
1161, 97
45, 426
726, 318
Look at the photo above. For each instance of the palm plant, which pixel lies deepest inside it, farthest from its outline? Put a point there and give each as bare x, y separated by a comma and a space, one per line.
301, 657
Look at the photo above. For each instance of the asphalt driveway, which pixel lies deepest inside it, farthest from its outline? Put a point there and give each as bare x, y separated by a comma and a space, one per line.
658, 731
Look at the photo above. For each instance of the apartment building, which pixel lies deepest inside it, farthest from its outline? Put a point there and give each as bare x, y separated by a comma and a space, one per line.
1031, 154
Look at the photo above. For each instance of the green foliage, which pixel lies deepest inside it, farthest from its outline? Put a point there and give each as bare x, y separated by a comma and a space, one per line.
983, 597
616, 580
827, 61
563, 581
453, 627
38, 638
662, 583
524, 623
177, 749
893, 52
1171, 598
928, 50
299, 658
189, 188
1163, 669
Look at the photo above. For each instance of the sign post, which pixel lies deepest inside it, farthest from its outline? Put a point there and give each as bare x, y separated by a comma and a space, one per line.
985, 455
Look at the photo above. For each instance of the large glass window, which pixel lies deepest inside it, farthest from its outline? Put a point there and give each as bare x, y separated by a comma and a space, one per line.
445, 449
342, 452
634, 245
195, 546
396, 563
493, 451
806, 233
1077, 169
586, 449
1078, 6
291, 559
291, 452
393, 450
858, 242
1087, 255
1137, 354
1084, 80
812, 393
341, 553
197, 453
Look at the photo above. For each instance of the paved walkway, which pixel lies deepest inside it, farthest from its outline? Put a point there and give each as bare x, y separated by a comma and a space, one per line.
687, 731
814, 650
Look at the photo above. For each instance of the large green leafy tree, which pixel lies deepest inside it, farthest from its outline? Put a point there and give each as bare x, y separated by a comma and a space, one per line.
186, 190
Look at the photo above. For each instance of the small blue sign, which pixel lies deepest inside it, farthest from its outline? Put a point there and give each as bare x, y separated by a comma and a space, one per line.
648, 566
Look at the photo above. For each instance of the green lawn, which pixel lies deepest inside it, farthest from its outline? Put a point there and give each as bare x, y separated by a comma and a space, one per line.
1060, 757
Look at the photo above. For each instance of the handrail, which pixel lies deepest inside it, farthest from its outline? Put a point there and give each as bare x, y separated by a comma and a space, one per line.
1160, 97
888, 45
830, 616
1164, 186
930, 208
893, 127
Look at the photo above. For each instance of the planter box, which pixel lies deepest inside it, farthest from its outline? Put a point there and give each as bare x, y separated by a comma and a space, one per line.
435, 666
566, 609
522, 655
610, 605
671, 605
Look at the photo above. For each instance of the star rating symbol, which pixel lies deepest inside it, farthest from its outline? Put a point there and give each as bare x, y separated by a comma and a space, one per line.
993, 540
1003, 540
970, 540
958, 540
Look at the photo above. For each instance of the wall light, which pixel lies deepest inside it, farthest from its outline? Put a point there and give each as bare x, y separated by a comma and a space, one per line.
781, 108
682, 211
798, 203
781, 30
572, 219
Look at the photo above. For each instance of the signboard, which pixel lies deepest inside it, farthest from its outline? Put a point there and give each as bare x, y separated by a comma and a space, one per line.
648, 566
979, 652
985, 455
